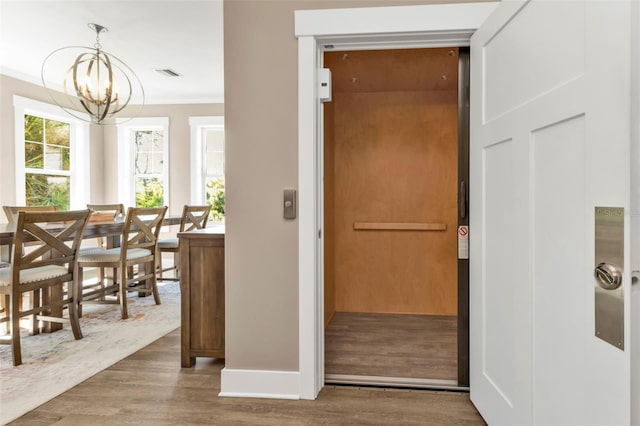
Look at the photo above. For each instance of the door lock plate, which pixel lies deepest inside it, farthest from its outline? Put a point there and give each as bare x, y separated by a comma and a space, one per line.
608, 275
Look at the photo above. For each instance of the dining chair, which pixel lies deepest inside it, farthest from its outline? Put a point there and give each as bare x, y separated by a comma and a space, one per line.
138, 248
49, 263
100, 213
193, 217
12, 211
12, 216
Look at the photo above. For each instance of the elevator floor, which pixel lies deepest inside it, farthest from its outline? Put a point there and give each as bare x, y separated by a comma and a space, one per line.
392, 345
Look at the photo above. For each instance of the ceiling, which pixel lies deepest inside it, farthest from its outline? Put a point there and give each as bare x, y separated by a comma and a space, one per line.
185, 36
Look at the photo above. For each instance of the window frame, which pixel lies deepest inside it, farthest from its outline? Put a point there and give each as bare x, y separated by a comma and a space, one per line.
79, 147
199, 125
126, 155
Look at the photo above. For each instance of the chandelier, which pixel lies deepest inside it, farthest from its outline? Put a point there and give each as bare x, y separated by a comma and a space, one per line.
94, 82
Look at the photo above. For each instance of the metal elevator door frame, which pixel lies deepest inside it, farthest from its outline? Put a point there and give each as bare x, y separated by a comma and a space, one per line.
462, 264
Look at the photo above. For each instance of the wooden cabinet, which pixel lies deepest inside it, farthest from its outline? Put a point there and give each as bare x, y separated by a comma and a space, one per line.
202, 288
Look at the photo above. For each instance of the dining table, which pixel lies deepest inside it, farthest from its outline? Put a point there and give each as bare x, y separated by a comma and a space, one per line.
111, 230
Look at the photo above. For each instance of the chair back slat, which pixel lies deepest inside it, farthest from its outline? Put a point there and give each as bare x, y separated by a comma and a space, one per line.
146, 230
51, 241
194, 217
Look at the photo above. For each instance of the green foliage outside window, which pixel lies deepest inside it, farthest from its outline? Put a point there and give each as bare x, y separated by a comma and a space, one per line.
47, 148
47, 190
33, 128
149, 192
215, 197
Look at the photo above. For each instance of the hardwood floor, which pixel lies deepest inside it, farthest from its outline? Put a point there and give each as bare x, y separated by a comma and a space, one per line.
150, 388
392, 345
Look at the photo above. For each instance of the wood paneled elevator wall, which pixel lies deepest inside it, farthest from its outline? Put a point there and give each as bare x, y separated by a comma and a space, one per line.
391, 161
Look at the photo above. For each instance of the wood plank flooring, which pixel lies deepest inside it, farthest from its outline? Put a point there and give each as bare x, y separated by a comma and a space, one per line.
150, 388
392, 345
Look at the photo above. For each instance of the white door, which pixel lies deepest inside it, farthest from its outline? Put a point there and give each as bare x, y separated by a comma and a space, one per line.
550, 124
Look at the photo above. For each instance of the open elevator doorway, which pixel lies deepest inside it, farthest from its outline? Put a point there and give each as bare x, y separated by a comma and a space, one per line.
396, 164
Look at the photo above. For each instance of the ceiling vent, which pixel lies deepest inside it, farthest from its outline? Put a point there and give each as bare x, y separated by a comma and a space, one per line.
168, 72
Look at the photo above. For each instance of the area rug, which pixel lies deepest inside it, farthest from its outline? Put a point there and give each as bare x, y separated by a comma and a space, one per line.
54, 363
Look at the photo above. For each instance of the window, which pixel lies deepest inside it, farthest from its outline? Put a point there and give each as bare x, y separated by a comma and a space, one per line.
148, 170
51, 156
144, 167
207, 163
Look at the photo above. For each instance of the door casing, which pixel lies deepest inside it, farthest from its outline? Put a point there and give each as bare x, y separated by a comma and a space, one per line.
366, 28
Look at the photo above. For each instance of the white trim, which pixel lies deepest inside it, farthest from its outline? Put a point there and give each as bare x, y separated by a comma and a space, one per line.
126, 191
79, 145
429, 25
198, 154
259, 384
391, 21
311, 319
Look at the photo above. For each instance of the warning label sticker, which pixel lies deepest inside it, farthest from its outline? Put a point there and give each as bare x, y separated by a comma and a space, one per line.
463, 242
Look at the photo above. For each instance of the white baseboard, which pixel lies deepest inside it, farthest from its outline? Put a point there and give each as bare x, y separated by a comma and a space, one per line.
259, 384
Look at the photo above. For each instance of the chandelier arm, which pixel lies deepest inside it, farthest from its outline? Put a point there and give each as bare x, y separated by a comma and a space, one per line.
86, 94
107, 103
75, 85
